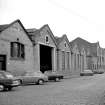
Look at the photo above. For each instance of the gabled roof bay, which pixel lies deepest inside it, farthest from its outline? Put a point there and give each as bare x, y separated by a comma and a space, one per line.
33, 32
60, 39
5, 26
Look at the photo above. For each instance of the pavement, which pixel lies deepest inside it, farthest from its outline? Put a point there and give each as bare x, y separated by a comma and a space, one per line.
86, 90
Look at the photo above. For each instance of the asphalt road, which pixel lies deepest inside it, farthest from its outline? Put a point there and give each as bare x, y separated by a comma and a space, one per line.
76, 91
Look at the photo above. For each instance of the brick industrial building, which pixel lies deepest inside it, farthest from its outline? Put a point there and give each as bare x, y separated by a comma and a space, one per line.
40, 50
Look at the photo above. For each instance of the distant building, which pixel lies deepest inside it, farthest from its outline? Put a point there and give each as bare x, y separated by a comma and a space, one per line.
63, 55
100, 57
78, 58
95, 55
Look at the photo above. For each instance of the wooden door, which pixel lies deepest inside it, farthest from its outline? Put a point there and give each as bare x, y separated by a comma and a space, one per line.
3, 62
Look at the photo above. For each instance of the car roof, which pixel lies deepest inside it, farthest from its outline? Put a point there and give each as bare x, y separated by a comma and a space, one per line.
4, 72
32, 72
87, 70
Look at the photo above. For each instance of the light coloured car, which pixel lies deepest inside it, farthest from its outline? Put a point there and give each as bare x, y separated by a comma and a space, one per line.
99, 71
87, 73
33, 78
53, 75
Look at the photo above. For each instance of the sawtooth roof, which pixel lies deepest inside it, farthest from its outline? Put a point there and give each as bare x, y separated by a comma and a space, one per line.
33, 33
90, 48
5, 26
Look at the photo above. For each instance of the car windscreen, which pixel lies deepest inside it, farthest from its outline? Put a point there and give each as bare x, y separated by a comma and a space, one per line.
38, 74
28, 74
48, 72
35, 74
8, 75
88, 71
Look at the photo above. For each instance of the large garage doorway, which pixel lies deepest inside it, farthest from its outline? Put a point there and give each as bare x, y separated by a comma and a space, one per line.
45, 58
3, 62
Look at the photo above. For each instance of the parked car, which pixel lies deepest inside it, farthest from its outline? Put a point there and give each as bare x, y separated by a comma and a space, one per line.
86, 73
99, 71
8, 81
33, 78
53, 75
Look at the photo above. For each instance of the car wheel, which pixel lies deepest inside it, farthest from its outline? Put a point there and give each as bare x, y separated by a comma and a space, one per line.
1, 87
81, 74
9, 88
21, 82
40, 82
57, 79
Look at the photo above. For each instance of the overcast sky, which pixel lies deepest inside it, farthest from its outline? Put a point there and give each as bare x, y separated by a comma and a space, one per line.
76, 18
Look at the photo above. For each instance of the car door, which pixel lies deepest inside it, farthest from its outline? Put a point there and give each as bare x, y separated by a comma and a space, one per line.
28, 79
3, 62
34, 78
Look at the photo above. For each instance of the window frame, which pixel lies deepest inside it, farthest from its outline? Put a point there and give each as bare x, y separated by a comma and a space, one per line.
19, 53
47, 39
65, 44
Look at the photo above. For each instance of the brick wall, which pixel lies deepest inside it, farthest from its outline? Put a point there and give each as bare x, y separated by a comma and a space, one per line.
10, 35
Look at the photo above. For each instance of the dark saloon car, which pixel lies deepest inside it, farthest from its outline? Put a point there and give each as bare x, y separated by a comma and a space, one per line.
33, 78
8, 81
53, 75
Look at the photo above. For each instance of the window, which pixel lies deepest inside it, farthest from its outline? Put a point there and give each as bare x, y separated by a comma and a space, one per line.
58, 60
68, 62
75, 60
17, 50
63, 60
65, 44
47, 39
78, 59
